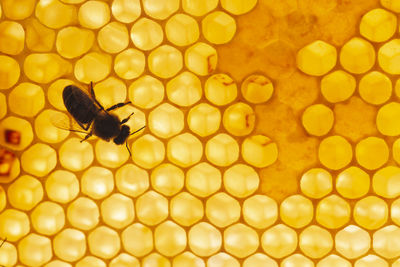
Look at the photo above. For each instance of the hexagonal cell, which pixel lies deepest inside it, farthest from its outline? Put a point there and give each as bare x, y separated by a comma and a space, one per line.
222, 150
9, 166
25, 193
188, 259
371, 212
259, 259
239, 119
338, 86
104, 242
204, 239
371, 261
296, 211
57, 263
386, 119
385, 241
333, 212
148, 151
39, 38
165, 61
74, 155
297, 260
335, 152
238, 7
48, 218
137, 239
201, 59
203, 179
117, 211
155, 259
93, 66
315, 242
130, 63
69, 245
73, 41
169, 238
21, 126
316, 183
90, 261
34, 250
97, 182
222, 210
166, 120
352, 242
186, 209
218, 27
199, 7
110, 155
126, 11
83, 213
113, 37
146, 92
26, 99
259, 151
317, 58
241, 180
131, 180
13, 11
333, 260
39, 159
124, 259
260, 211
55, 91
372, 153
167, 179
54, 14
9, 255
184, 89
184, 150
13, 37
240, 240
9, 70
222, 259
357, 55
45, 129
182, 30
279, 241
220, 89
151, 208
383, 179
378, 25
352, 183
14, 224
146, 34
204, 119
392, 5
369, 84
94, 14
257, 89
160, 9
318, 119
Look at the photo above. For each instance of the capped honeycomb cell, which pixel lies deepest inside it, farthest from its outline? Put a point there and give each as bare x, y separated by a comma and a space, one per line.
204, 239
39, 159
14, 224
188, 259
25, 193
279, 241
151, 208
129, 64
126, 11
335, 152
38, 37
222, 210
220, 89
186, 209
218, 27
378, 25
240, 240
369, 85
146, 34
131, 180
148, 151
316, 183
34, 250
90, 261
74, 42
83, 213
203, 179
9, 71
385, 182
257, 89
137, 239
110, 155
333, 260
26, 99
392, 5
386, 119
315, 242
45, 130
372, 153
296, 211
48, 218
201, 59
184, 89
55, 14
74, 155
94, 14
352, 242
333, 212
3, 105
92, 67
338, 86
222, 260
146, 92
238, 7
182, 30
204, 119
166, 120
352, 183
18, 10
241, 180
113, 37
124, 259
199, 7
12, 36
165, 61
184, 150
259, 151
160, 9
388, 56
18, 125
117, 211
259, 259
222, 150
169, 238
69, 244
357, 56
97, 182
62, 186
155, 259
239, 119
297, 260
260, 211
8, 255
318, 119
104, 242
386, 241
167, 179
371, 261
317, 58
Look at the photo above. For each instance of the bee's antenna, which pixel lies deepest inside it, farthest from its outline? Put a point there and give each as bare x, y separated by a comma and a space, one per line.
4, 240
127, 147
138, 130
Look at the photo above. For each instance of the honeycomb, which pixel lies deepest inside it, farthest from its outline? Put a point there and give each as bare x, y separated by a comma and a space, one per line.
271, 139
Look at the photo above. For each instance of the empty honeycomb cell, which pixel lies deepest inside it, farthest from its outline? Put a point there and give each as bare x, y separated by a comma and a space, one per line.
9, 71
18, 10
297, 260
44, 128
369, 84
12, 36
62, 186
220, 89
187, 259
69, 244
146, 34
3, 105
296, 211
259, 151
316, 58
97, 182
39, 159
394, 211
113, 37
204, 239
259, 259
186, 209
371, 261
124, 259
126, 11
386, 181
167, 179
34, 250
241, 180
199, 7
25, 193
240, 240
104, 242
165, 61
148, 151
19, 125
110, 155
222, 150
74, 42
94, 14
38, 37
160, 9
48, 218
203, 179
14, 224
129, 64
357, 56
222, 260
184, 89
386, 119
55, 91
352, 242
378, 25
318, 119
316, 183
386, 242
166, 120
388, 56
315, 242
169, 239
335, 152
392, 5
279, 241
26, 99
372, 152
218, 27
137, 239
74, 155
338, 86
151, 208
117, 211
92, 67
90, 261
257, 89
146, 92
239, 119
333, 212
54, 14
155, 259
222, 210
352, 183
260, 211
238, 7
83, 213
201, 58
182, 30
8, 255
204, 119
131, 180
332, 261
184, 150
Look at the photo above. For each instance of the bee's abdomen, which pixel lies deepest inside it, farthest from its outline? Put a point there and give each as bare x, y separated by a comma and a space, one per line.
79, 104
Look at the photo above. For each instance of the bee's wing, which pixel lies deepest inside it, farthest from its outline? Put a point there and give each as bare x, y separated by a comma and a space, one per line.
65, 122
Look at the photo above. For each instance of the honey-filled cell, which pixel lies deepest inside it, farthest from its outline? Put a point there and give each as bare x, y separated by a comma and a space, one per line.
39, 159
187, 259
9, 254
240, 240
169, 239
151, 208
201, 58
69, 244
13, 37
148, 151
74, 155
279, 241
126, 11
167, 179
155, 259
132, 180
296, 211
146, 34
90, 261
165, 61
182, 30
117, 211
260, 211
203, 179
137, 239
83, 213
220, 89
14, 224
186, 209
57, 263
10, 71
62, 186
241, 180
111, 155
222, 210
73, 41
46, 130
204, 239
222, 150
55, 14
97, 182
130, 64
184, 150
199, 7
25, 193
48, 218
35, 250
124, 259
146, 92
259, 259
94, 14
104, 242
166, 120
18, 12
160, 9
184, 89
218, 27
113, 37
204, 119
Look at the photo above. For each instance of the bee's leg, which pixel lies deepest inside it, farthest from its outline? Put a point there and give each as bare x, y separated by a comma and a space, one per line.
127, 147
86, 137
118, 105
94, 96
5, 239
126, 119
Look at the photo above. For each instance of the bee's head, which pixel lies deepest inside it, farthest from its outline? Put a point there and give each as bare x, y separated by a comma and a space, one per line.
123, 134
